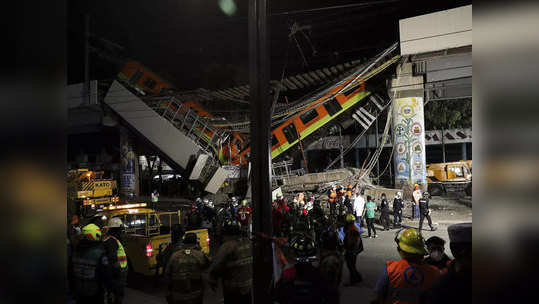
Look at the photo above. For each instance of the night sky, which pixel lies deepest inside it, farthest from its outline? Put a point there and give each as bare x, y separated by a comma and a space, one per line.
194, 43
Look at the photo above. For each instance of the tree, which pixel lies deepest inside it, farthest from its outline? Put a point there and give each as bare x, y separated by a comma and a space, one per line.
448, 114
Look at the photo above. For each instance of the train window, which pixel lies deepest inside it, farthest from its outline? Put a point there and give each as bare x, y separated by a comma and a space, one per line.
274, 140
332, 106
290, 133
308, 116
150, 83
136, 77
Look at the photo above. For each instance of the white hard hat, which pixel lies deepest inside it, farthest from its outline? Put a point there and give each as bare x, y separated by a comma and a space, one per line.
114, 222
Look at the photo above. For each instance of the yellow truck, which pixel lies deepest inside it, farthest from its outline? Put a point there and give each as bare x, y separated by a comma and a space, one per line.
449, 177
146, 232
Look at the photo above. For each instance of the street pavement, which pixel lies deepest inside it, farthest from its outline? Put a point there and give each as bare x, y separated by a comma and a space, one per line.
371, 261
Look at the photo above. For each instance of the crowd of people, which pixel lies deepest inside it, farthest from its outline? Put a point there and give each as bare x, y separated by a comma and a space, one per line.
320, 238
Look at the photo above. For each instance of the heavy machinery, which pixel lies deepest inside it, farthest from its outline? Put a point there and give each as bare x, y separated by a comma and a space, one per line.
92, 190
450, 177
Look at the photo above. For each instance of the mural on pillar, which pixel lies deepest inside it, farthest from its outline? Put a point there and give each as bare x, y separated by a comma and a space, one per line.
408, 125
127, 156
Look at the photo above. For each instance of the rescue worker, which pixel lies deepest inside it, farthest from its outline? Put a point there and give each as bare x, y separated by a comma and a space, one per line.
353, 245
177, 232
184, 272
384, 210
233, 264
397, 209
302, 282
424, 211
455, 286
91, 272
404, 281
332, 200
243, 215
437, 256
370, 207
117, 259
416, 195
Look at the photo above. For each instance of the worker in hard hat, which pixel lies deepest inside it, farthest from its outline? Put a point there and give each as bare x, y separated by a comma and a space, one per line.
353, 245
117, 259
91, 275
404, 281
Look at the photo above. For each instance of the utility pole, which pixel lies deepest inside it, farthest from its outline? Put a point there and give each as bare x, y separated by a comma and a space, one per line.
341, 147
260, 177
378, 160
87, 58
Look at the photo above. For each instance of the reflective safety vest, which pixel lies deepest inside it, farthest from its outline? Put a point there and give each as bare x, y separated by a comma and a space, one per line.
121, 262
332, 196
408, 280
85, 271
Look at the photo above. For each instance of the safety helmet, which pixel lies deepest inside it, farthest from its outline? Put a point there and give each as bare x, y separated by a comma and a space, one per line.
398, 195
426, 194
303, 247
416, 186
91, 232
210, 204
279, 195
244, 202
350, 186
114, 222
205, 201
410, 241
350, 218
198, 200
231, 226
234, 199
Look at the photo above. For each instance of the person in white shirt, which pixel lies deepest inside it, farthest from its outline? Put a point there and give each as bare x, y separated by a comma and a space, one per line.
417, 195
359, 206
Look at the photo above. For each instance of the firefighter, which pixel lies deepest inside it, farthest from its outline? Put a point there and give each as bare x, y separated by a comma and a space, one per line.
404, 281
437, 256
233, 265
353, 245
117, 259
424, 212
91, 272
184, 272
302, 282
243, 215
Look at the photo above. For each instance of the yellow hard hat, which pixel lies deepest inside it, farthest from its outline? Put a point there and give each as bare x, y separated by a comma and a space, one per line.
91, 232
411, 241
350, 218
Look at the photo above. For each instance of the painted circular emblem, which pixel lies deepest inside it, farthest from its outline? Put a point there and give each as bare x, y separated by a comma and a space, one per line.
417, 148
414, 276
418, 166
407, 111
400, 130
401, 148
401, 167
416, 129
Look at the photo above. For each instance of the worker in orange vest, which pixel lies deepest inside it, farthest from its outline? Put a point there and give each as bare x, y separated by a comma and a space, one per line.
404, 281
332, 199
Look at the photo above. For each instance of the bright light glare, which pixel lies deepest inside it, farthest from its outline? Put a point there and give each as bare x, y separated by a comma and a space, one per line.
228, 7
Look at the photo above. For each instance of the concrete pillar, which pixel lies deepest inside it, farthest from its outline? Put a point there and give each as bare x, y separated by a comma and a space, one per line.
128, 166
409, 127
463, 157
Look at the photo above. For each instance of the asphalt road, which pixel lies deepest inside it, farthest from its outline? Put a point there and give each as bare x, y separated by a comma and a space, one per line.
370, 262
